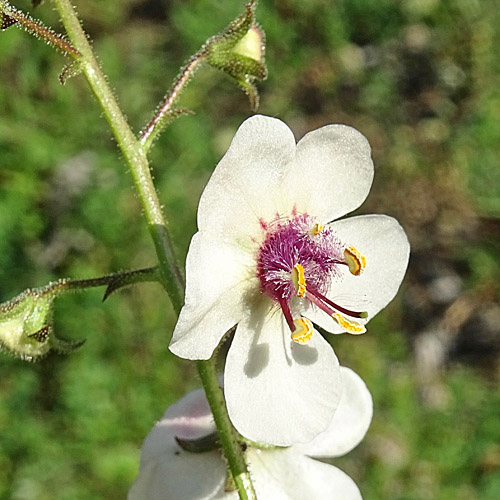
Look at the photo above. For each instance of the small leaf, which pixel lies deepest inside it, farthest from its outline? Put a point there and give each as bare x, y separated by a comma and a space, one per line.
65, 346
199, 445
163, 122
74, 68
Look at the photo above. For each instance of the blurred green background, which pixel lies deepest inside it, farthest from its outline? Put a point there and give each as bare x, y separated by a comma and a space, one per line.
420, 78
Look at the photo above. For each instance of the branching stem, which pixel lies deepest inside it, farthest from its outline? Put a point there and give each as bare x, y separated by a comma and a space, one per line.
155, 126
132, 152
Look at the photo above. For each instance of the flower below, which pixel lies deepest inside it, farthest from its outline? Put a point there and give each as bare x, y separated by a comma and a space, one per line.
168, 471
272, 257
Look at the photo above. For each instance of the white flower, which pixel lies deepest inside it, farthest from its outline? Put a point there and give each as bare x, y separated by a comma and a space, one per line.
267, 257
169, 472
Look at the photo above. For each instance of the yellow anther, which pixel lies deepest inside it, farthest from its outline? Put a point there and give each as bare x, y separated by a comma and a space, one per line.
349, 326
317, 228
299, 280
303, 331
355, 260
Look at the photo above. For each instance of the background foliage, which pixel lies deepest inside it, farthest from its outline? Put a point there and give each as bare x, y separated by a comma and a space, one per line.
420, 78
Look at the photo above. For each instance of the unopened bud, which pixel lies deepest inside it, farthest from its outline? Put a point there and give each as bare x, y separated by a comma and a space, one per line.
239, 51
26, 324
251, 45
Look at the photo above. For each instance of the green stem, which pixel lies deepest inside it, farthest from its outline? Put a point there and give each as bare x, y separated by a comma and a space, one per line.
171, 276
160, 119
228, 436
36, 28
132, 151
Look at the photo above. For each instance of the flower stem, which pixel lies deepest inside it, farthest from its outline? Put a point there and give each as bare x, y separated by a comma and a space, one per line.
165, 110
228, 436
172, 279
36, 28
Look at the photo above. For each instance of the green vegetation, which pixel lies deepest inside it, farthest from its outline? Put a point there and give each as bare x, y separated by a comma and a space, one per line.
420, 78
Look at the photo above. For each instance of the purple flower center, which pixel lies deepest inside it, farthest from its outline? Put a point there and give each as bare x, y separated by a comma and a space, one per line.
297, 241
299, 257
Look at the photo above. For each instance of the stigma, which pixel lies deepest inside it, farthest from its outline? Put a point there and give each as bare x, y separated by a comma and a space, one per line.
297, 262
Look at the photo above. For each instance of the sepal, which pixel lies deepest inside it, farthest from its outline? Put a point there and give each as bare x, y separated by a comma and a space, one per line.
6, 21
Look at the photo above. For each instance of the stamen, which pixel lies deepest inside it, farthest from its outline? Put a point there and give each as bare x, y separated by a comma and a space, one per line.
303, 331
343, 310
317, 228
355, 260
299, 280
288, 315
301, 328
349, 326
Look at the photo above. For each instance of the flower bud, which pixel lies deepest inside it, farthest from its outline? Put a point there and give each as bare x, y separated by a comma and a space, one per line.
26, 324
239, 51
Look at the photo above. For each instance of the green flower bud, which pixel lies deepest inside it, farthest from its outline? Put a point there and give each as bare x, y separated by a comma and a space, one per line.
251, 45
26, 321
26, 324
239, 51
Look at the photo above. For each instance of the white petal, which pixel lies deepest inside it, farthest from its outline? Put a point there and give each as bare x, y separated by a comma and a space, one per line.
219, 279
277, 391
166, 471
244, 186
384, 244
285, 475
332, 172
350, 423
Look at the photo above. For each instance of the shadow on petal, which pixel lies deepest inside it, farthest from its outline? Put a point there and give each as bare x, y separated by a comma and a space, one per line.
258, 359
304, 354
258, 354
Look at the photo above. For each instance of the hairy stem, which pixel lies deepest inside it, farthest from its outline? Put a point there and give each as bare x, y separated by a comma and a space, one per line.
132, 152
161, 117
36, 28
171, 276
229, 439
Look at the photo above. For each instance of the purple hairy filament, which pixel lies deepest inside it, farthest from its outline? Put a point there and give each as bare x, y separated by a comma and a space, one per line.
299, 258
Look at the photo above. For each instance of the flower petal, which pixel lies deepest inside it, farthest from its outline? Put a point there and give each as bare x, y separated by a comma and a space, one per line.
218, 278
384, 244
166, 470
350, 422
243, 188
285, 475
277, 391
332, 172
